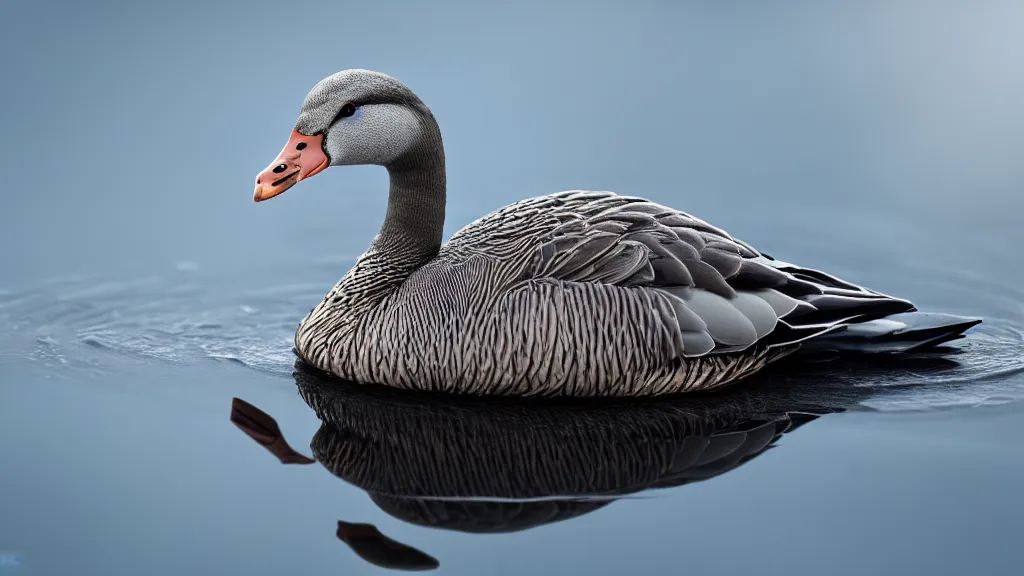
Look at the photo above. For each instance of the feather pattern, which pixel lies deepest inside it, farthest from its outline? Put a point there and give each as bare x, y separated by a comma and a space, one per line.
578, 293
513, 465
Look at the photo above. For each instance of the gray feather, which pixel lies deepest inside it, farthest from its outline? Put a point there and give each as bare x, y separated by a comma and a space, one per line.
757, 311
687, 319
669, 271
726, 324
780, 303
726, 263
706, 277
697, 343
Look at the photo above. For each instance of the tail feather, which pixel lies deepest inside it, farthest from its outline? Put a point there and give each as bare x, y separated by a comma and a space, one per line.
895, 334
826, 314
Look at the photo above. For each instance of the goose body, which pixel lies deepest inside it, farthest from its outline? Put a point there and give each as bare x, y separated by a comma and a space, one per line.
578, 293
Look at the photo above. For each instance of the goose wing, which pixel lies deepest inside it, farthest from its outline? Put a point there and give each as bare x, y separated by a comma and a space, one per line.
721, 293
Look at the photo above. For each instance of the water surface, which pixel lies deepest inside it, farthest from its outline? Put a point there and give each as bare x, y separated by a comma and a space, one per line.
142, 291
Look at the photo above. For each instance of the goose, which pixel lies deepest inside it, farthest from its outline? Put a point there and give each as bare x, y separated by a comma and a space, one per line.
578, 293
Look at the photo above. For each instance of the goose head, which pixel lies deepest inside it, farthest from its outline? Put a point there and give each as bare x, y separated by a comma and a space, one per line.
349, 118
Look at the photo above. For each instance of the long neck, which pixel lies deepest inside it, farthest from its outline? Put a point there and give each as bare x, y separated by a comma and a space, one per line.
414, 222
408, 239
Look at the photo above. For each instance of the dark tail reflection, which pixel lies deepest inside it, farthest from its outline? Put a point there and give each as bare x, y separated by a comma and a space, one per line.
499, 465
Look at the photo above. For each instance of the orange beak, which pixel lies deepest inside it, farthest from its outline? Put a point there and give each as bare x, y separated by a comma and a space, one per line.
302, 157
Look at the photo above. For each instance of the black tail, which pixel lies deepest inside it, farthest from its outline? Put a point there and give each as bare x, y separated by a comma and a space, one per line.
895, 334
832, 315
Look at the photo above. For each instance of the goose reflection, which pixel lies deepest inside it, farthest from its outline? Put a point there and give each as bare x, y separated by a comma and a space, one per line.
486, 465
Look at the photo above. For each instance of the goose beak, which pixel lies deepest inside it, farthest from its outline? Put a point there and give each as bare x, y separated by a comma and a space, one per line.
302, 157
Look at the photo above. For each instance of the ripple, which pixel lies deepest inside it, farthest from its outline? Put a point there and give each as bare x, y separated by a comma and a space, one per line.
87, 325
983, 369
167, 320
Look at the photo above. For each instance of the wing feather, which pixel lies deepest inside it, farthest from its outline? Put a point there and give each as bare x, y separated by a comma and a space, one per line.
719, 294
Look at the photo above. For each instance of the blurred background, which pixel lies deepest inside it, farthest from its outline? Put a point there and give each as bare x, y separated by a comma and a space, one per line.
133, 131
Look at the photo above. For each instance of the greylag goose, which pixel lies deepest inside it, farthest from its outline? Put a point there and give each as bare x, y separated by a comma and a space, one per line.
577, 293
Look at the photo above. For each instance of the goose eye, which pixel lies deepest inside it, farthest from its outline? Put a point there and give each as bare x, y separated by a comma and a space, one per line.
347, 110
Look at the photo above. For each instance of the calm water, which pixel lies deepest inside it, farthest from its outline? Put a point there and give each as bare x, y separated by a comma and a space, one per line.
142, 291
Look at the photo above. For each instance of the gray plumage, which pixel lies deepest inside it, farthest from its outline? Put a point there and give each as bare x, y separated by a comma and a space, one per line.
579, 293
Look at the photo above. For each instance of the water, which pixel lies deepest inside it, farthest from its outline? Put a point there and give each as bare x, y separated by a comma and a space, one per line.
142, 291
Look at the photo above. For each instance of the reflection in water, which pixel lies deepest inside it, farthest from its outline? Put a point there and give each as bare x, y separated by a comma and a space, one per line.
265, 431
364, 539
489, 465
376, 548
